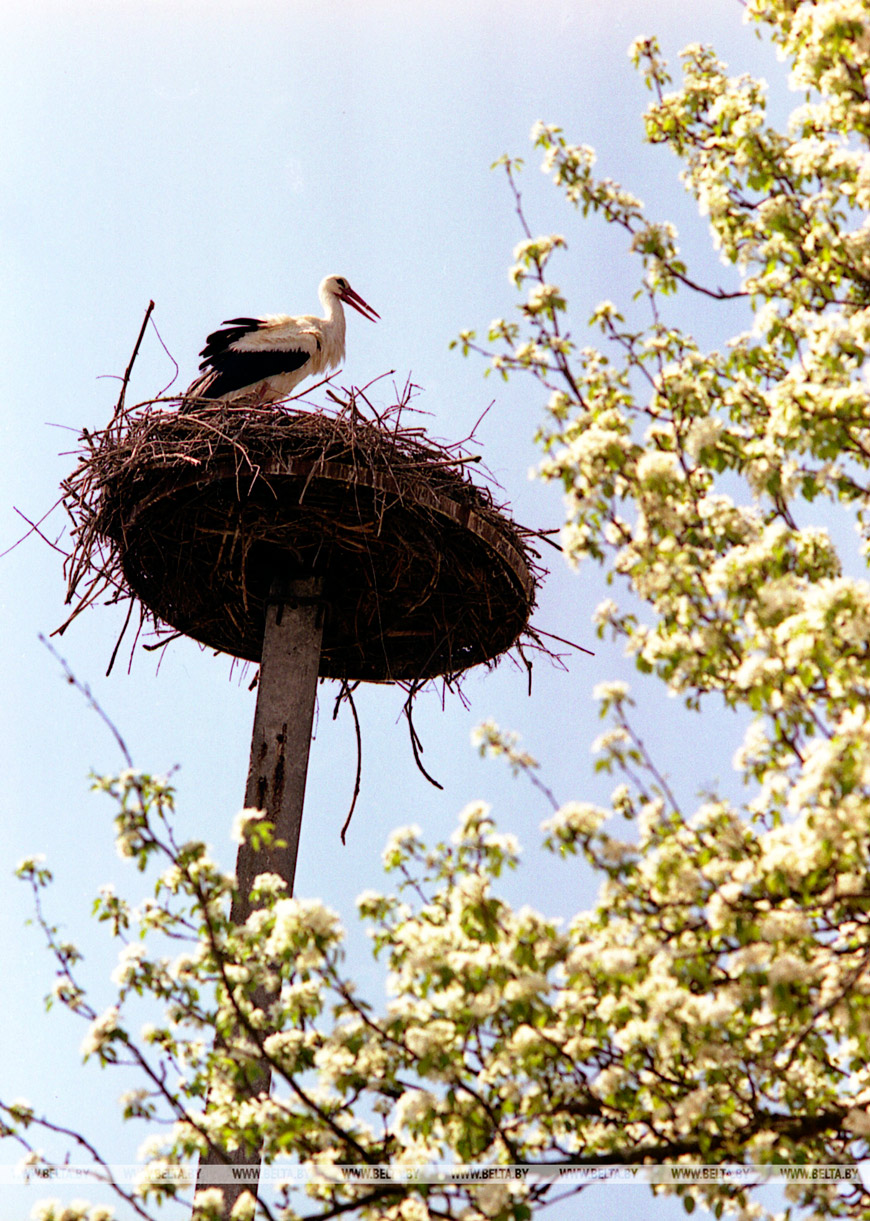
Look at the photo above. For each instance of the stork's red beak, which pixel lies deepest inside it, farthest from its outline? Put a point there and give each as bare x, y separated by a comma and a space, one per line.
354, 299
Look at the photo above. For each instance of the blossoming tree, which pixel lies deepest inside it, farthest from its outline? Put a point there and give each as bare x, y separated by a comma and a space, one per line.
714, 1006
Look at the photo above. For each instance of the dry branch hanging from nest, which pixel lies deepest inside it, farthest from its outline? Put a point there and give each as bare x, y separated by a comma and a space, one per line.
195, 514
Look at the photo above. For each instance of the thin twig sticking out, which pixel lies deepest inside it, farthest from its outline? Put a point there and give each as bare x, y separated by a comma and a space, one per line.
346, 693
126, 380
34, 529
571, 644
416, 744
121, 637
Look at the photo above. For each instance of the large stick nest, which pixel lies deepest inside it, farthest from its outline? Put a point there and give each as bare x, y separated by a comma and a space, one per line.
194, 514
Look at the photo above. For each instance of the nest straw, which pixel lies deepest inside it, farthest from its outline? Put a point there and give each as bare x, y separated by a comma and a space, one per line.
191, 515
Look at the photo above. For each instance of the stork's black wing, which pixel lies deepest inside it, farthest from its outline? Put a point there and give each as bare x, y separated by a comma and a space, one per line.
234, 370
230, 331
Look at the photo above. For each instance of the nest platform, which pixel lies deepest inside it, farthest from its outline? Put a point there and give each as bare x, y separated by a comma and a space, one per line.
195, 514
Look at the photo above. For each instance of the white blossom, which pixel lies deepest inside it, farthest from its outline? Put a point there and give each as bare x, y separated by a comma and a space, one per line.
411, 1107
129, 960
100, 1032
577, 817
243, 822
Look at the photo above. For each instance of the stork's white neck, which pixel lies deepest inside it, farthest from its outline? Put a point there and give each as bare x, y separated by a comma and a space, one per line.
333, 310
333, 329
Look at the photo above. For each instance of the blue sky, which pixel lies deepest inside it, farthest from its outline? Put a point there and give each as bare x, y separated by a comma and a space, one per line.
221, 158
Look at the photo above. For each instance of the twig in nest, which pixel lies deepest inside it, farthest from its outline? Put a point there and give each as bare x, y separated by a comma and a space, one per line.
126, 380
121, 637
570, 643
416, 744
161, 644
471, 436
542, 535
34, 529
457, 461
346, 693
171, 382
136, 637
519, 648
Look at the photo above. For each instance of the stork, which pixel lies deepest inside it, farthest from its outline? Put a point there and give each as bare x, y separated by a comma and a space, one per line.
266, 358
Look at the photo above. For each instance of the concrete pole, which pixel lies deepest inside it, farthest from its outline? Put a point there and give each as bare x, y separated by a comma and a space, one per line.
280, 743
281, 738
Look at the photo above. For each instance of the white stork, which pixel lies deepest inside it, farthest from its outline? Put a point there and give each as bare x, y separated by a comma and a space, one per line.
267, 357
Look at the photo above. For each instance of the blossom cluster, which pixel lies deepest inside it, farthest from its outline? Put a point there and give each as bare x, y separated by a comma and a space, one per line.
715, 1002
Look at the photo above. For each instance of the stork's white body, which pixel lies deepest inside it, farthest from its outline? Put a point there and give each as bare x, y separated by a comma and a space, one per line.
266, 358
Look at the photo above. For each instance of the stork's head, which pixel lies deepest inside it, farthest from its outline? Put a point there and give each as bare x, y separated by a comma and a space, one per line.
337, 286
